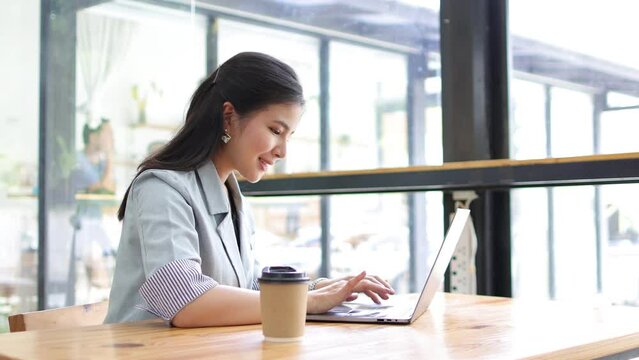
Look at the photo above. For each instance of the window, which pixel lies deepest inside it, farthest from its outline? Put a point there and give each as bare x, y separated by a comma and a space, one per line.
367, 108
118, 78
128, 102
288, 232
574, 92
20, 37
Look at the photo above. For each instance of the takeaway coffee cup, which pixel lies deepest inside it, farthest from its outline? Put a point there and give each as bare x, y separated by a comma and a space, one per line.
283, 291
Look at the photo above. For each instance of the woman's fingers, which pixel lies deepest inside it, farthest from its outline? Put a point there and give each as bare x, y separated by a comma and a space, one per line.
375, 280
346, 289
378, 283
385, 283
375, 287
378, 280
373, 296
337, 291
351, 297
352, 283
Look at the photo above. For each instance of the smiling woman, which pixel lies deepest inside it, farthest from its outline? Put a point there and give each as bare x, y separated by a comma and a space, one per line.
257, 140
181, 256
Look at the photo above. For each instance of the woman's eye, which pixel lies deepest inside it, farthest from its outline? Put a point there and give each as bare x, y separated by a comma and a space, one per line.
276, 131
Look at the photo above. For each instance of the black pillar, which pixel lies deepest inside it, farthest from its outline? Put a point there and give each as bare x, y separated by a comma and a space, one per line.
57, 128
474, 52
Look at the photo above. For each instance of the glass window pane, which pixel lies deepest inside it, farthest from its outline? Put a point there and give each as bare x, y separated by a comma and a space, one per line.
20, 37
367, 108
620, 244
125, 104
433, 142
569, 53
576, 34
367, 232
529, 243
571, 123
434, 234
527, 120
618, 131
591, 252
615, 99
589, 78
574, 236
288, 231
433, 145
554, 243
370, 232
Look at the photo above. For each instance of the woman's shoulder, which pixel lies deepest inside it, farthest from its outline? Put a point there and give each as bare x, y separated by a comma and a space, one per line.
159, 179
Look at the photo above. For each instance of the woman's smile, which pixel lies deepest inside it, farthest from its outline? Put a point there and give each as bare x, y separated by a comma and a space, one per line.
264, 165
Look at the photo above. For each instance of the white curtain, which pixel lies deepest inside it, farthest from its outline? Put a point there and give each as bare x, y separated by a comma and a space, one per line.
102, 43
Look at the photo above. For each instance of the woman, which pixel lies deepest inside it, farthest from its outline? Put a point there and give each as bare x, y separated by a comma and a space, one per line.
185, 252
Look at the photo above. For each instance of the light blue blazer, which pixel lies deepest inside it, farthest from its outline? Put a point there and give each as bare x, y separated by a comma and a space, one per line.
174, 215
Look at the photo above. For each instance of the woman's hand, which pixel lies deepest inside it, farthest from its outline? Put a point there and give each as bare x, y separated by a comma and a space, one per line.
332, 292
372, 285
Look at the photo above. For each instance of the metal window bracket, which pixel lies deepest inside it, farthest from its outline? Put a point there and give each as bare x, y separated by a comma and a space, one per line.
463, 198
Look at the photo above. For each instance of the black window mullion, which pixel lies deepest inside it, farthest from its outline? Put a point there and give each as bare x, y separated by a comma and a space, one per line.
325, 158
550, 195
416, 118
599, 104
474, 52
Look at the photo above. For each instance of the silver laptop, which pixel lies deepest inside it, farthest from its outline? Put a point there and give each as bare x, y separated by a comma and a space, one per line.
395, 312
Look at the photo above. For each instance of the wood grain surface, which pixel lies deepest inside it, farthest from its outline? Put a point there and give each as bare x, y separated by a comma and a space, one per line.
455, 327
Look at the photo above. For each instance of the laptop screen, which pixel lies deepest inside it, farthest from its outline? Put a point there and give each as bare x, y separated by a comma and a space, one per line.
442, 259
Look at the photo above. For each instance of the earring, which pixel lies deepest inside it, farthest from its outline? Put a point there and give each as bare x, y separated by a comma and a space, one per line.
226, 137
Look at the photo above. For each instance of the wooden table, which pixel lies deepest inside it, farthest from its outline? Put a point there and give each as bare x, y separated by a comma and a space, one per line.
455, 327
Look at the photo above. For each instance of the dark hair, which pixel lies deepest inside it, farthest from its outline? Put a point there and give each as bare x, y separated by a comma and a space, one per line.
88, 130
250, 81
86, 133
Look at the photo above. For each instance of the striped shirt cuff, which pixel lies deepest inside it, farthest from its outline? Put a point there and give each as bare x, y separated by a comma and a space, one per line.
174, 286
255, 285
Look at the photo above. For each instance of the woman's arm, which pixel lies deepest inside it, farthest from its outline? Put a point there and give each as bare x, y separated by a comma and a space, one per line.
227, 305
106, 182
220, 306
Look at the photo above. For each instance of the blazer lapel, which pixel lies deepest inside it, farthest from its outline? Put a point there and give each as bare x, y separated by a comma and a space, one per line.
219, 209
246, 226
226, 233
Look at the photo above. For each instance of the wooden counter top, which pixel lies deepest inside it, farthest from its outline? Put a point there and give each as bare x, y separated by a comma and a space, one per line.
455, 327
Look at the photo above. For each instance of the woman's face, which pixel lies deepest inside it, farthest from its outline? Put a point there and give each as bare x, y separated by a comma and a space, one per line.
259, 139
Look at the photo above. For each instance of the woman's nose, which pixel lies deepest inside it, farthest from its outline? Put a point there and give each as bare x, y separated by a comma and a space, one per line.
280, 150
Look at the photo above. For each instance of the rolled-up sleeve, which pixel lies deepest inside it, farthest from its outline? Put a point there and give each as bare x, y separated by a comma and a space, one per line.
169, 247
174, 286
255, 285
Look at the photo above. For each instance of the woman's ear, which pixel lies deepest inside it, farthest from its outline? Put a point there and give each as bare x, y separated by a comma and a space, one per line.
228, 110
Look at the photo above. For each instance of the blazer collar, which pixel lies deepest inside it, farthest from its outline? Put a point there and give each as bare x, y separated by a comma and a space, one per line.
216, 200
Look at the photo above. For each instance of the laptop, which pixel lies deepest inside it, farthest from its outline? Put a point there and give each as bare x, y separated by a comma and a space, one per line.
397, 312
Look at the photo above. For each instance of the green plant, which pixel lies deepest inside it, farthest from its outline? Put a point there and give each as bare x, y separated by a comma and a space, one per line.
66, 158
